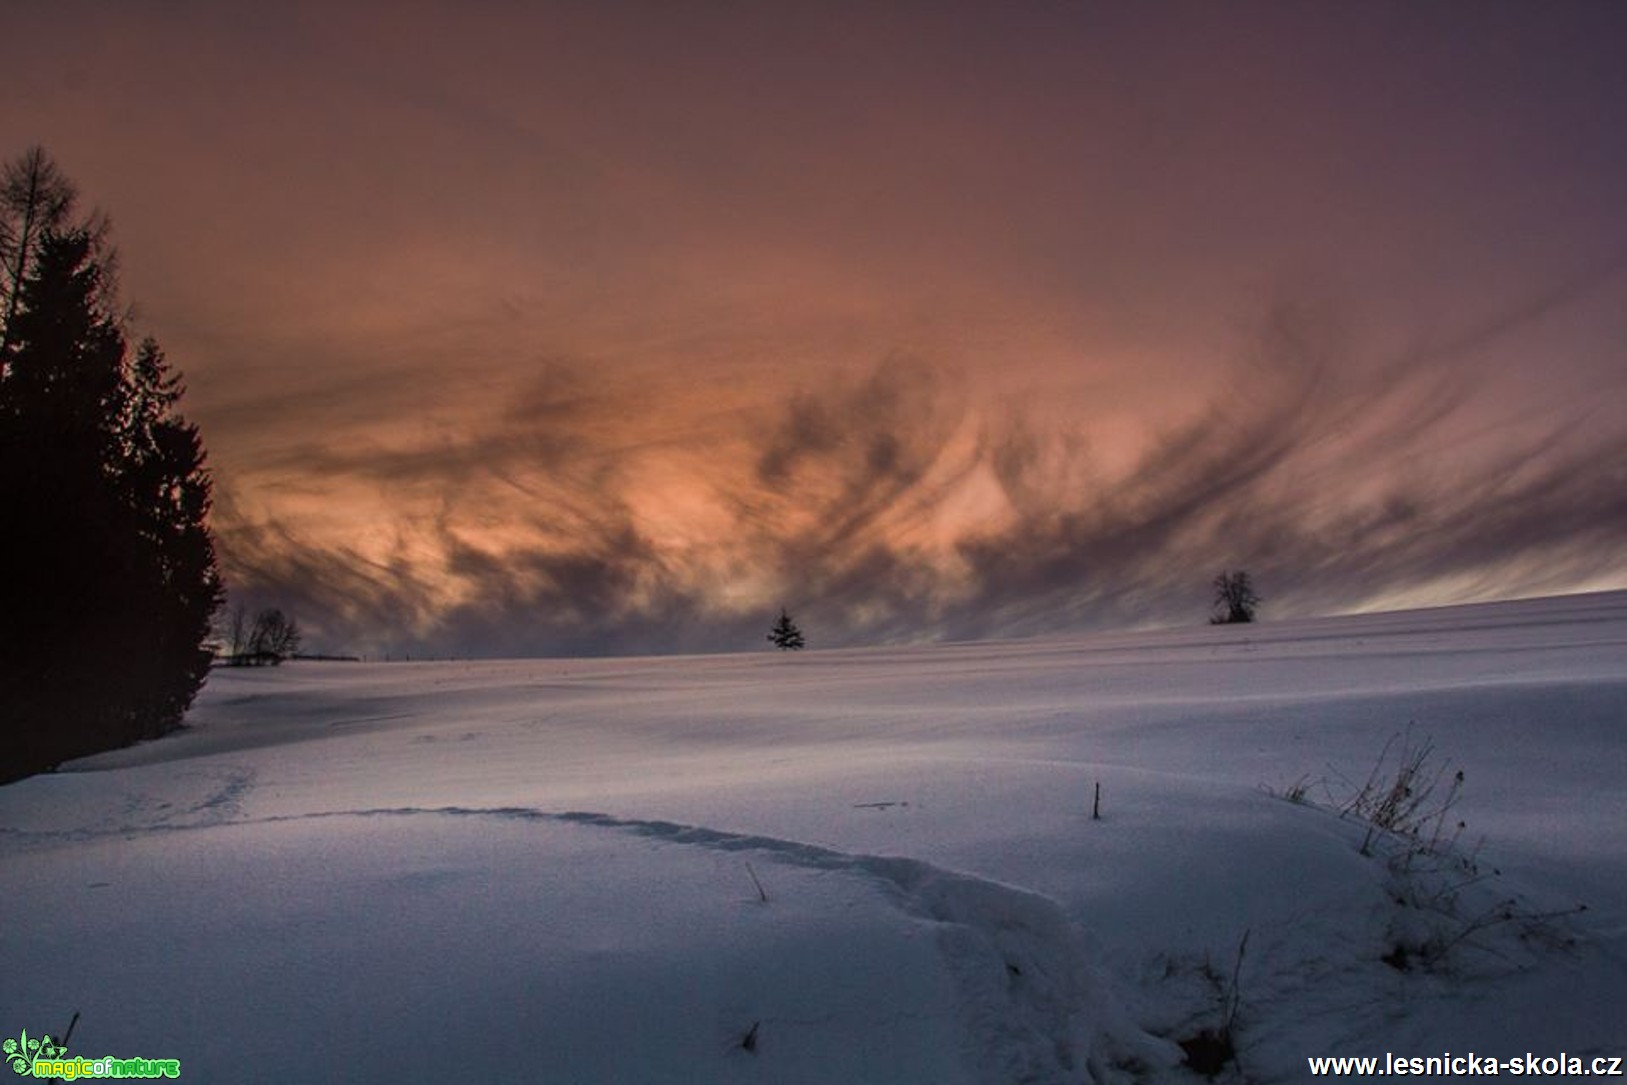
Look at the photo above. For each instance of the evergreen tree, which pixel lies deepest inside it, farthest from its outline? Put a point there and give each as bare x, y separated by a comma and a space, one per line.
785, 635
108, 577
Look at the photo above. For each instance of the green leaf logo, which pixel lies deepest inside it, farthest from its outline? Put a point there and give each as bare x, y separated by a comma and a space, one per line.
21, 1052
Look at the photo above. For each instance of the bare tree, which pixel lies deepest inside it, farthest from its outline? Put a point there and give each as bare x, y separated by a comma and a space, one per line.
237, 629
1235, 599
274, 637
36, 198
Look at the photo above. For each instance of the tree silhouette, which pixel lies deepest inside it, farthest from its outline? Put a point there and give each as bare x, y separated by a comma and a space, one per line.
35, 199
268, 636
1235, 599
108, 577
235, 630
274, 638
785, 635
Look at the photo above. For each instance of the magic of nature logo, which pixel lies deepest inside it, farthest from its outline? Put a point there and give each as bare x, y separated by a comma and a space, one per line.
40, 1056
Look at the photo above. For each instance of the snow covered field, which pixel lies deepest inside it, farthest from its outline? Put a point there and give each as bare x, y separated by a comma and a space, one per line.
556, 871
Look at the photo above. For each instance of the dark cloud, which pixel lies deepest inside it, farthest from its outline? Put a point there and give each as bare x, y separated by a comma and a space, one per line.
1243, 486
852, 459
1319, 472
551, 328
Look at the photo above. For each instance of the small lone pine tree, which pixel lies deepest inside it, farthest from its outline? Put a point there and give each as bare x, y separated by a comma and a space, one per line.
1235, 599
785, 635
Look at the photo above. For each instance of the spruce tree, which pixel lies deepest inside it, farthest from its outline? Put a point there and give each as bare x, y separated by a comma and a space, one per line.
785, 635
108, 578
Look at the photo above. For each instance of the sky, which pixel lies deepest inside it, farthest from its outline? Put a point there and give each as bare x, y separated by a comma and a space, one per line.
580, 328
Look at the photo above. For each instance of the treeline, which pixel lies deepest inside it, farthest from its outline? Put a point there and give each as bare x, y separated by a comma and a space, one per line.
108, 576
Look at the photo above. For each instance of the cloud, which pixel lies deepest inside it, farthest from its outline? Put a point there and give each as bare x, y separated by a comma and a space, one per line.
896, 506
1328, 480
578, 331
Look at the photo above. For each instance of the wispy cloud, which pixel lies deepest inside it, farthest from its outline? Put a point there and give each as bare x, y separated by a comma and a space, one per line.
613, 327
896, 506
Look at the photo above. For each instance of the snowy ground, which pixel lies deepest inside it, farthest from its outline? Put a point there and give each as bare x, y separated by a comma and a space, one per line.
549, 871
